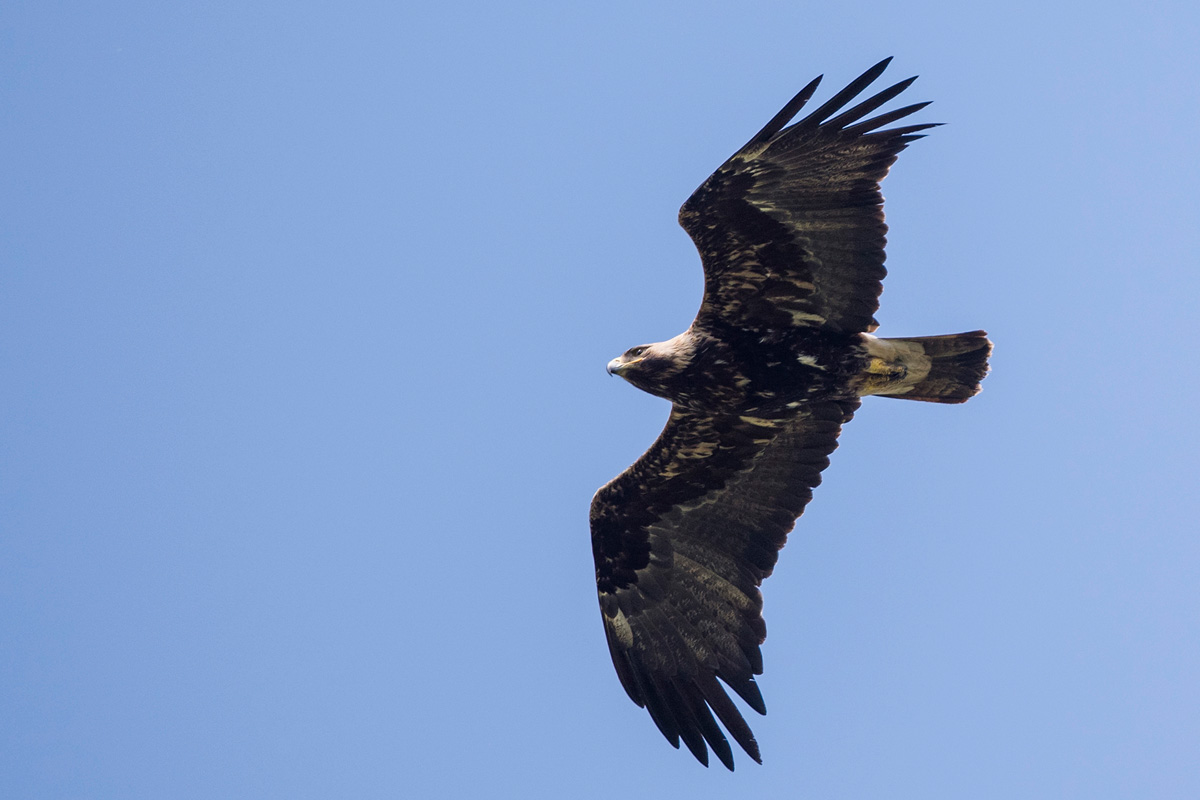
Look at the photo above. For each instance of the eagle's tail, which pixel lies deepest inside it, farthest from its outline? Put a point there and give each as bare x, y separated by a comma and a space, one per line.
937, 369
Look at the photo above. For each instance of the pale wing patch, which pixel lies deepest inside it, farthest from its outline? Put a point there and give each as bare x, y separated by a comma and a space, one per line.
620, 628
760, 423
692, 452
801, 316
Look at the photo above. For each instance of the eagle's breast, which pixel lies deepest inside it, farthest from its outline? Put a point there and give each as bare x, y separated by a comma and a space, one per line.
767, 373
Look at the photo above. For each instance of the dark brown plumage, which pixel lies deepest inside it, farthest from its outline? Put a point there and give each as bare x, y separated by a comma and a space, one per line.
790, 233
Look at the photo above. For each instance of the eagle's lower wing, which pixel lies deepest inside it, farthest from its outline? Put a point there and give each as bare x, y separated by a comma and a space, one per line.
682, 540
790, 229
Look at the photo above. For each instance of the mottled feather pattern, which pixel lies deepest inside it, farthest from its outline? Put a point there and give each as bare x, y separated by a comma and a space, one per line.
791, 236
624, 509
790, 229
691, 603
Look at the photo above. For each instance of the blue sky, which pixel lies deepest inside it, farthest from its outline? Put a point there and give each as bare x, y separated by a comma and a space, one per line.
304, 312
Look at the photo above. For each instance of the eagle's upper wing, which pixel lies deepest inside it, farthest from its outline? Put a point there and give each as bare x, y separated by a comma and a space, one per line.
682, 540
790, 229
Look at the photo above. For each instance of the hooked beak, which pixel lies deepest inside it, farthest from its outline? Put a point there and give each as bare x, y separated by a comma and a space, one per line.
617, 365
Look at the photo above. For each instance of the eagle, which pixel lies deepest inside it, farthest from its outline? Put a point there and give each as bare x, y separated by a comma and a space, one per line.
791, 235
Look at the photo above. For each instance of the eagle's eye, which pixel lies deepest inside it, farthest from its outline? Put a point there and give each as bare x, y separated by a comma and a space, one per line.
634, 352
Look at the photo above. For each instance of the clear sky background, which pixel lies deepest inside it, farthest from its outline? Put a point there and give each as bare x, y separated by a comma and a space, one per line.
303, 322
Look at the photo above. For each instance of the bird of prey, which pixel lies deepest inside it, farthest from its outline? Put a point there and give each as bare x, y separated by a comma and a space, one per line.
790, 232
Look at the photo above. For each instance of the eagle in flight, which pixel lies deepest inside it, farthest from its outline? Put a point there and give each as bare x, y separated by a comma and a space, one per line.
791, 235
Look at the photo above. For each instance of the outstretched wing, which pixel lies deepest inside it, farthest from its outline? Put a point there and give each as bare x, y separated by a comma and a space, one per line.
790, 229
682, 540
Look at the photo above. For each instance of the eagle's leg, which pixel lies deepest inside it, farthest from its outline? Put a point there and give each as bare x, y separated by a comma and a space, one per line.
880, 374
937, 369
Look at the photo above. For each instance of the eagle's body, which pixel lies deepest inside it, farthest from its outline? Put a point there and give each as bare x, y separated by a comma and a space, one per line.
762, 376
790, 232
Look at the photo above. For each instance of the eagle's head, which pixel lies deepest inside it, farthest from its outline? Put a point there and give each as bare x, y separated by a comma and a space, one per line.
652, 367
